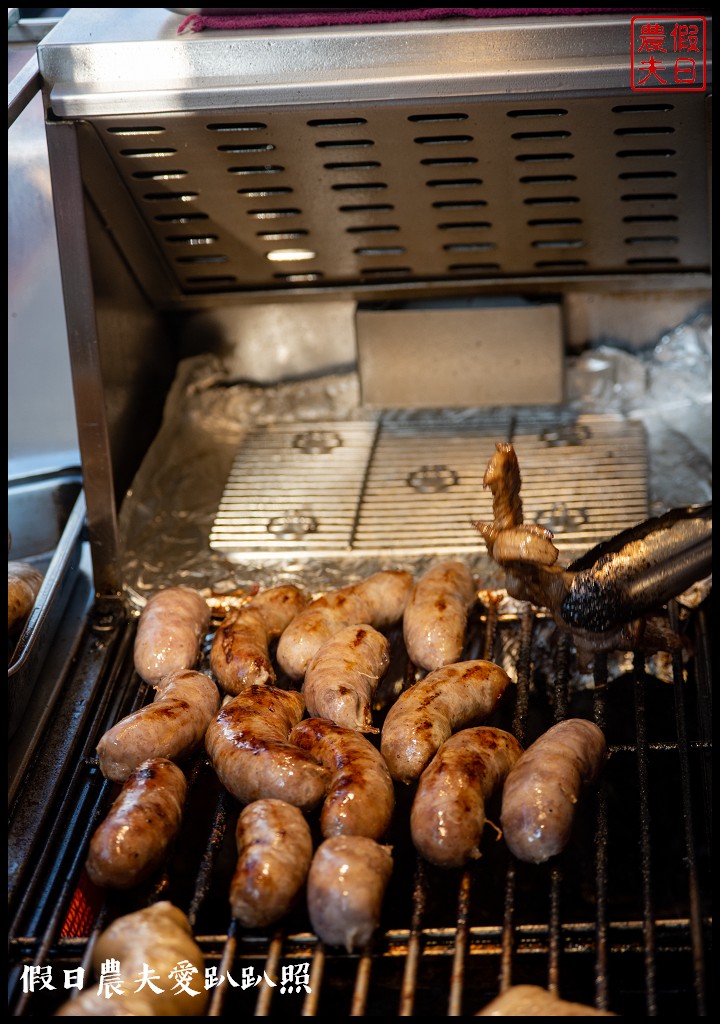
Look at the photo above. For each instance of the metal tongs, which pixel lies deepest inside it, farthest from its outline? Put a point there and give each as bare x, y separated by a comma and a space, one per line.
603, 596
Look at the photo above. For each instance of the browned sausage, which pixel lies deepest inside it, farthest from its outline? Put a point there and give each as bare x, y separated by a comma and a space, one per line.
424, 716
533, 1001
133, 840
526, 543
379, 600
342, 678
542, 790
448, 813
247, 743
24, 582
361, 796
345, 889
240, 655
173, 726
436, 615
274, 852
170, 630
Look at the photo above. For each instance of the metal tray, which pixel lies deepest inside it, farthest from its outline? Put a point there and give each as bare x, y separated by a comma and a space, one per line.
46, 518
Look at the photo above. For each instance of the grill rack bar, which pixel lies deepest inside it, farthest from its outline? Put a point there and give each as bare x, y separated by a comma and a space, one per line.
604, 938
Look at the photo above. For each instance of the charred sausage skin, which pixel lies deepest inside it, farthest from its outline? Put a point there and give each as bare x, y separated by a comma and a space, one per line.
345, 890
275, 848
133, 840
435, 617
361, 796
173, 726
342, 678
169, 633
448, 813
541, 792
378, 600
247, 743
240, 654
427, 714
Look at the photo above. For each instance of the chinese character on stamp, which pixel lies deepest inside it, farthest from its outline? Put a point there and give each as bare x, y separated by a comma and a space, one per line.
668, 53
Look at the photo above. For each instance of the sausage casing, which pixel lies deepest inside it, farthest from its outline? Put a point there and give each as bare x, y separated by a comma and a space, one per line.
240, 654
426, 714
173, 726
361, 797
342, 678
247, 743
533, 1001
378, 600
274, 852
133, 840
541, 792
435, 617
345, 889
448, 813
169, 632
24, 582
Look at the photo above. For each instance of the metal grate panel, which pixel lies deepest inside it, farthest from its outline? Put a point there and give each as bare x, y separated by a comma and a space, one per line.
415, 191
412, 486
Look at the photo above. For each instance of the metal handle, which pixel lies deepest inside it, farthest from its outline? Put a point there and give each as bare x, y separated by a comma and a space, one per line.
24, 86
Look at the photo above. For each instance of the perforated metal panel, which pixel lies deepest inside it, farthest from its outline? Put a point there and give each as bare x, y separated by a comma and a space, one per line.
416, 191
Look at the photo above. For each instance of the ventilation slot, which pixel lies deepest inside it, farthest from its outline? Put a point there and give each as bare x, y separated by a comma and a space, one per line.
353, 165
651, 219
634, 154
560, 264
428, 118
258, 193
133, 154
547, 179
449, 161
280, 236
202, 259
667, 130
298, 278
555, 222
140, 130
646, 108
539, 136
271, 214
374, 228
345, 143
158, 175
470, 247
191, 239
178, 197
443, 140
360, 186
336, 122
385, 250
555, 112
244, 126
259, 147
471, 268
454, 183
552, 201
663, 239
261, 169
646, 175
537, 157
649, 197
657, 261
460, 204
464, 225
368, 208
219, 280
179, 218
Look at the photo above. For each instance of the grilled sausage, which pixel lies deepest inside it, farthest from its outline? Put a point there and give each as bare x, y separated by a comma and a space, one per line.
361, 796
247, 743
274, 852
424, 716
240, 655
526, 543
436, 615
533, 1001
448, 813
345, 889
542, 790
172, 726
378, 600
133, 840
160, 937
24, 582
342, 678
170, 630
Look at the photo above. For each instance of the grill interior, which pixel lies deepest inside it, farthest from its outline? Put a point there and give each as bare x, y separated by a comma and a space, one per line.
407, 192
621, 919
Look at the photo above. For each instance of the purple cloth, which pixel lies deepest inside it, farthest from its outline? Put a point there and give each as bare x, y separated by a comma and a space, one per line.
198, 22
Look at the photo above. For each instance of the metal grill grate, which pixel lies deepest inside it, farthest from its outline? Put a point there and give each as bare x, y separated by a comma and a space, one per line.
415, 192
413, 486
621, 920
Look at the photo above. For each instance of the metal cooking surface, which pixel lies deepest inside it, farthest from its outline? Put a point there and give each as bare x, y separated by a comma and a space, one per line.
622, 919
414, 486
388, 194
